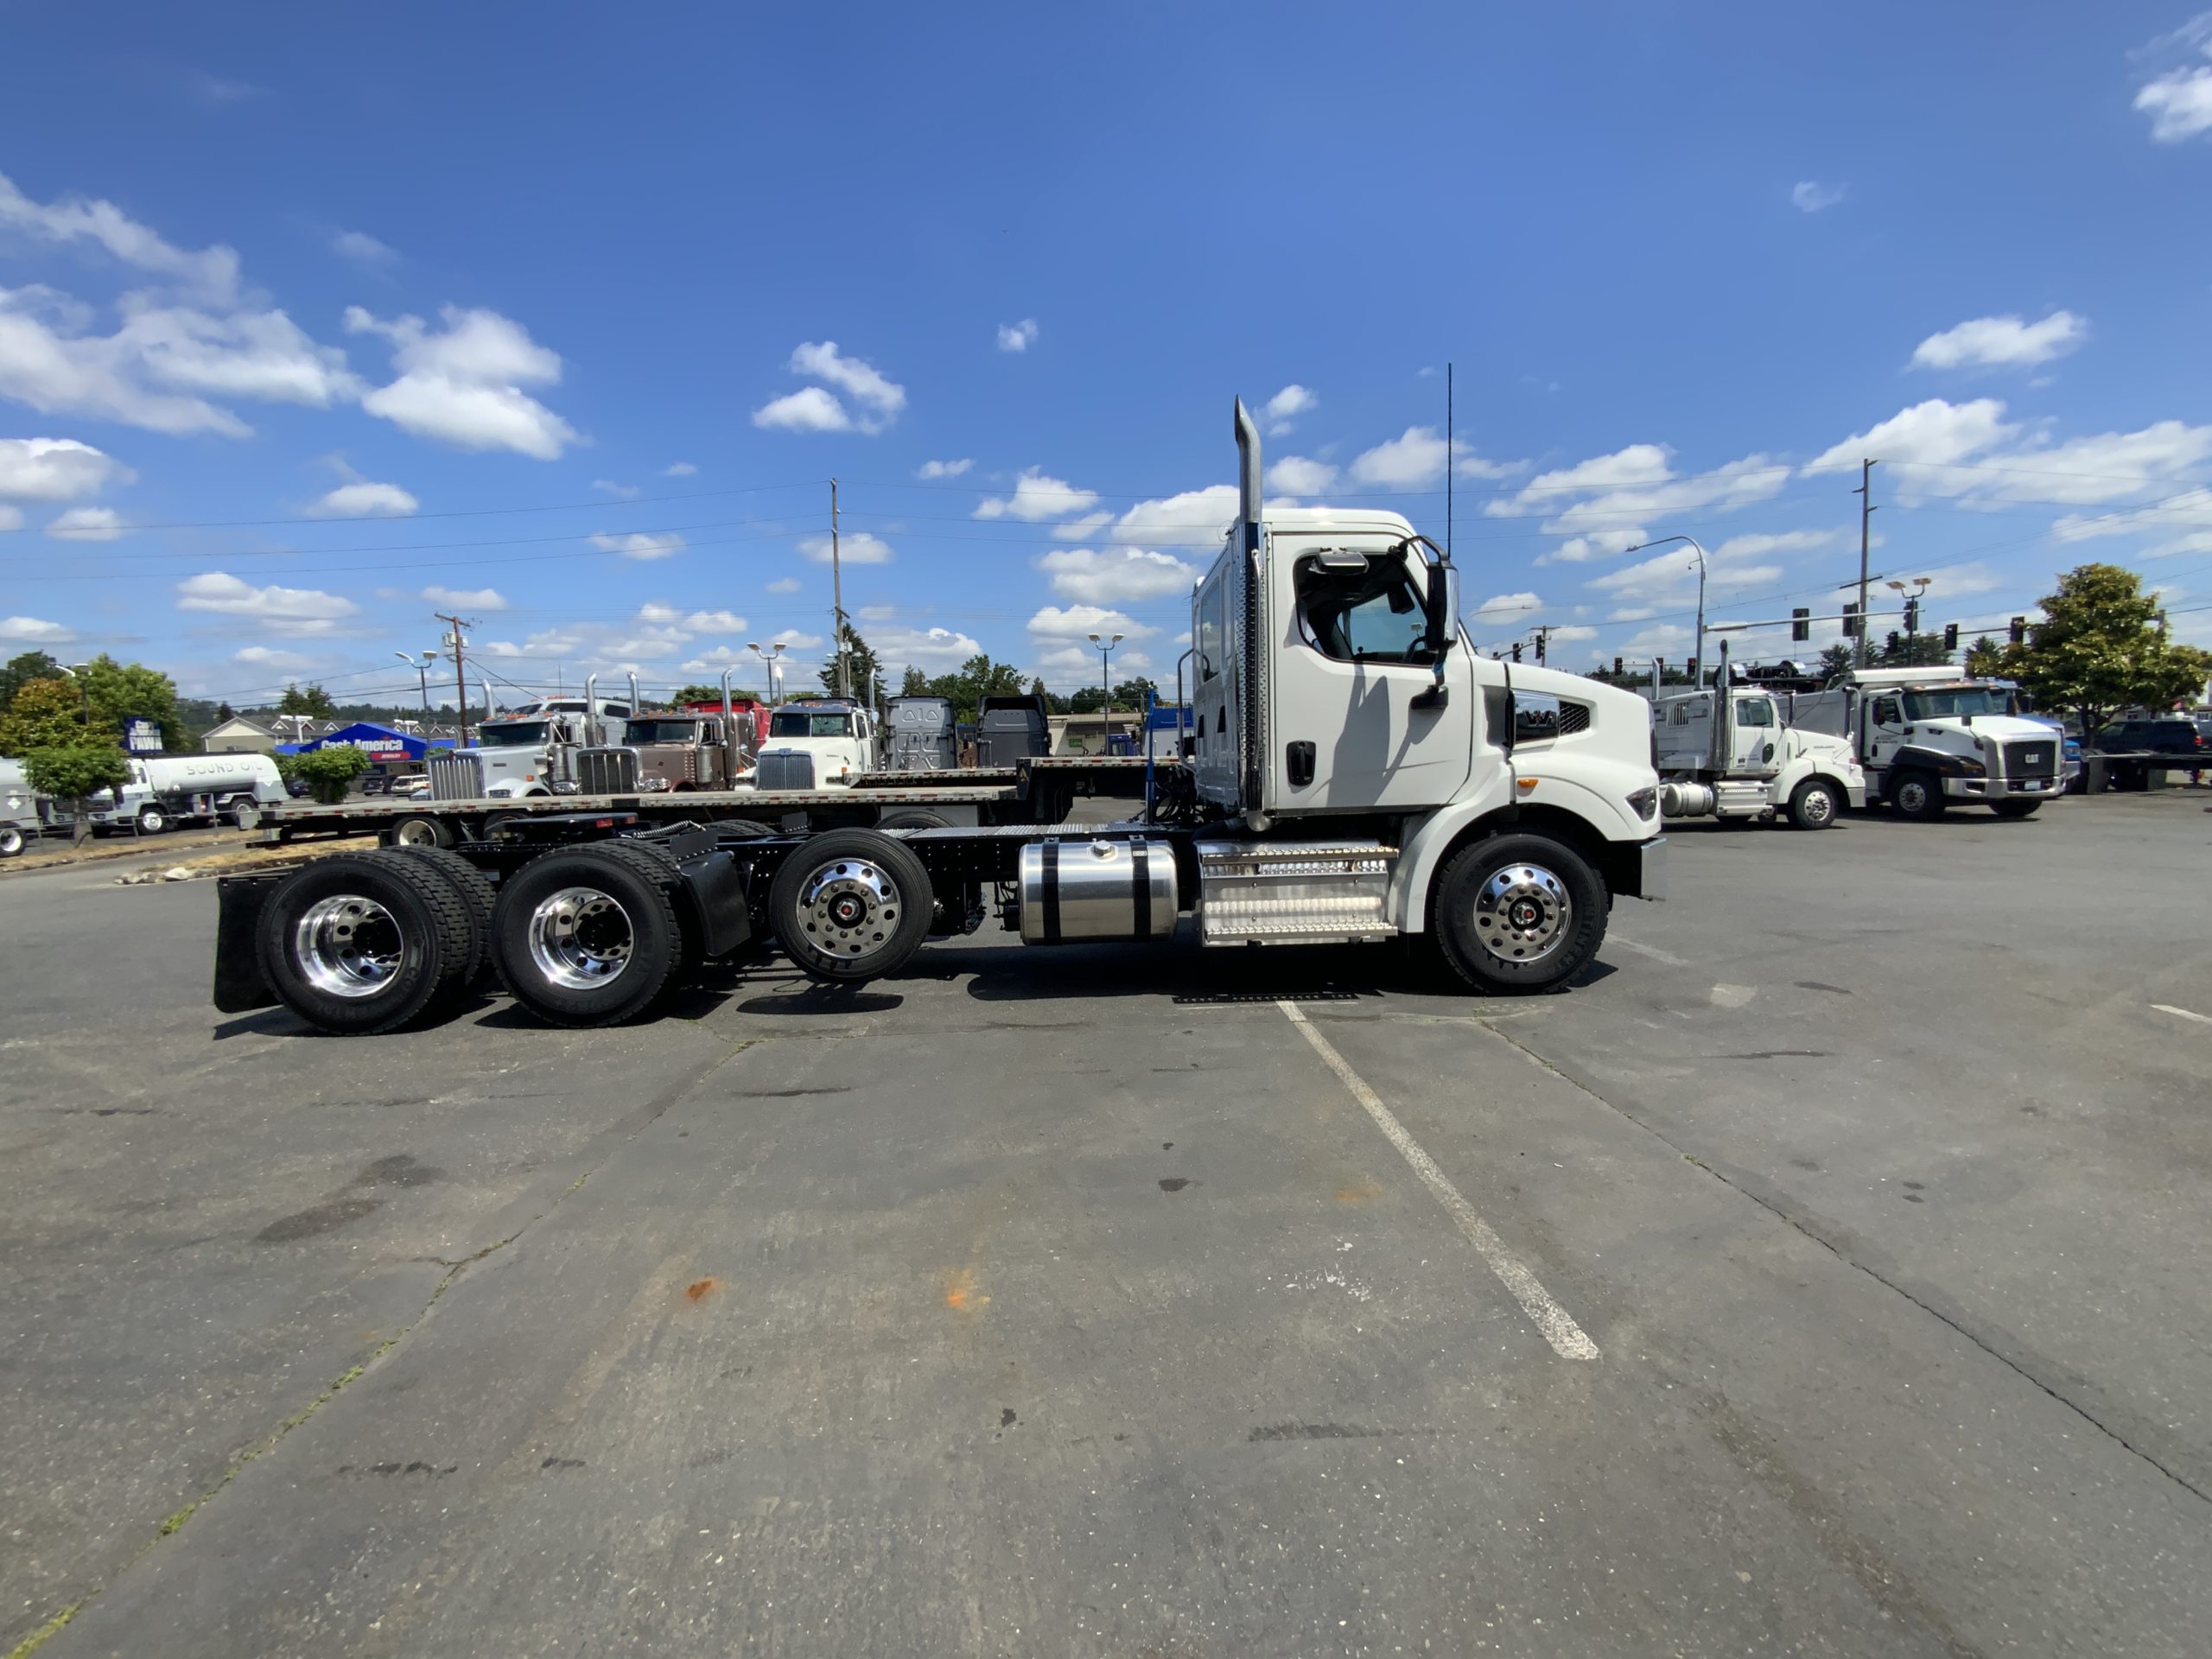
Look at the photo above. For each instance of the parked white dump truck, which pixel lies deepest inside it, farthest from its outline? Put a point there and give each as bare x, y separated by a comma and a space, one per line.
823, 742
1934, 737
1358, 774
1724, 752
167, 789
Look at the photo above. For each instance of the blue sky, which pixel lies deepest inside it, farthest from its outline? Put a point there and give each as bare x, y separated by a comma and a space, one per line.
313, 321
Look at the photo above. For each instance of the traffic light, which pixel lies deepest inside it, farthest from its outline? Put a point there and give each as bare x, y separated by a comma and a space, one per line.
1539, 644
1912, 614
1616, 668
1854, 626
1800, 625
2019, 629
1659, 670
1692, 669
1894, 645
1951, 636
1516, 651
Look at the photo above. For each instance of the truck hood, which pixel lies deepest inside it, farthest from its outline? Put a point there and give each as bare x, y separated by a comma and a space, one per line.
2002, 729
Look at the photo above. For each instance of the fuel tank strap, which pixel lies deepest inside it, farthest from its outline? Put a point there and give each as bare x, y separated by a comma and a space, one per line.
1050, 876
1140, 888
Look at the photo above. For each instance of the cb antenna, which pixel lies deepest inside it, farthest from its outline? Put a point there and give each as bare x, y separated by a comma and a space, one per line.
1448, 459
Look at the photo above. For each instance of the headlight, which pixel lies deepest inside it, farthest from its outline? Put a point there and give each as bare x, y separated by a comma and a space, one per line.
652, 783
1645, 803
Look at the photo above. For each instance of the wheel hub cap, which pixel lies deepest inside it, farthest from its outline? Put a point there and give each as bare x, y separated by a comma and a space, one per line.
348, 945
1522, 913
580, 939
849, 908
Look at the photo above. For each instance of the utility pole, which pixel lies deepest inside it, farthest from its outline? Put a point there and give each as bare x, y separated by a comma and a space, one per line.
1865, 495
837, 596
460, 672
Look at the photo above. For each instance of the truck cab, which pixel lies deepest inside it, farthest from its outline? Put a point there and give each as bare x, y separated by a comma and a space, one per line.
822, 742
1724, 753
1932, 738
679, 752
527, 753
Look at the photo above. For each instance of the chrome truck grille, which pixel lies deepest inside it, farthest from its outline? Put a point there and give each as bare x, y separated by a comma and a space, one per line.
2032, 757
457, 777
606, 772
778, 769
1276, 893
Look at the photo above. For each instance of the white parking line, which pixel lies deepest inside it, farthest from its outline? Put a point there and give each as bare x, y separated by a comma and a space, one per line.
1567, 1337
1650, 951
2183, 1013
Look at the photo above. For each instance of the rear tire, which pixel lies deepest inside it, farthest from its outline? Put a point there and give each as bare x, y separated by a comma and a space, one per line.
11, 840
1918, 796
420, 830
2014, 809
361, 942
245, 813
477, 896
1815, 804
587, 937
849, 905
1517, 914
741, 829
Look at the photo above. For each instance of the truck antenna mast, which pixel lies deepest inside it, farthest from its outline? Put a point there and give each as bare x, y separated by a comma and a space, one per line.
1449, 444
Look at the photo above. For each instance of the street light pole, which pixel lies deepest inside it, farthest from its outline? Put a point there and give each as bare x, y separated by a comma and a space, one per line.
422, 678
1105, 688
771, 657
1697, 652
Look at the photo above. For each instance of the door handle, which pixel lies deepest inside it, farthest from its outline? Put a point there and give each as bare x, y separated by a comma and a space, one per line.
1298, 758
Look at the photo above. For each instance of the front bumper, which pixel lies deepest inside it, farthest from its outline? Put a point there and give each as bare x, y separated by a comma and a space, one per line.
1640, 871
1856, 793
2003, 788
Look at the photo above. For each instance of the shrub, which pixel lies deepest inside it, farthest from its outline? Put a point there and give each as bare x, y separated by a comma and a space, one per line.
327, 772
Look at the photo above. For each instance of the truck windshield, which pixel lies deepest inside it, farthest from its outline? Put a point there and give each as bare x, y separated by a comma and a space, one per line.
649, 730
798, 723
1952, 702
517, 736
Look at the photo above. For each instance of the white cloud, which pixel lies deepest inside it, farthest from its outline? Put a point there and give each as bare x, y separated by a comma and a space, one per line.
1633, 486
364, 500
1410, 461
938, 649
1971, 453
10, 518
86, 524
714, 622
213, 272
943, 469
463, 385
1638, 464
2001, 342
364, 250
1810, 196
2188, 509
1757, 545
1671, 574
619, 492
793, 639
309, 609
1597, 544
34, 631
1018, 336
1281, 412
54, 469
678, 469
466, 599
1471, 465
808, 409
785, 585
859, 548
876, 613
655, 611
1934, 432
1076, 529
1116, 575
286, 662
1071, 622
856, 378
1194, 518
1038, 496
1296, 475
2179, 102
642, 544
1501, 607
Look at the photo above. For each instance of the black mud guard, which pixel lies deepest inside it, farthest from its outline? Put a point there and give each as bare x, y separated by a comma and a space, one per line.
239, 985
713, 888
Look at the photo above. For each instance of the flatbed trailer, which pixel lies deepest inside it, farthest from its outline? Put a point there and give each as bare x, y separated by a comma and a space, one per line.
1037, 791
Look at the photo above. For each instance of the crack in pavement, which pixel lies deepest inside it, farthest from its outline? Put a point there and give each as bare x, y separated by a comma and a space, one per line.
1807, 1229
604, 1148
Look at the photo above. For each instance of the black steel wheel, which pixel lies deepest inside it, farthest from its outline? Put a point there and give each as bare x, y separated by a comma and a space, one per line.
361, 943
850, 904
1516, 914
477, 895
589, 936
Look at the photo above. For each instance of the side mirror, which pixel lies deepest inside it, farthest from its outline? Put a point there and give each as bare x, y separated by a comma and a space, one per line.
1443, 608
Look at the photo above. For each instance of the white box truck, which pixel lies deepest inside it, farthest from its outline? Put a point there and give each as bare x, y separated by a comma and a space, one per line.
1358, 773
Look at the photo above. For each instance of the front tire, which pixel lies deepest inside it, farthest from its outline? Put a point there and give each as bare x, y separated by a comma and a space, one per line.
850, 905
152, 821
361, 942
587, 937
2014, 809
1518, 914
1815, 804
11, 840
1917, 796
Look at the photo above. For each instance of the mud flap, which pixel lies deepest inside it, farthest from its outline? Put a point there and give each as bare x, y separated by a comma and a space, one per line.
713, 889
239, 985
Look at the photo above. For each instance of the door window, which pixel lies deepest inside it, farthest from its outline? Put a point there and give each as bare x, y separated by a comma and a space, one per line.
1755, 711
1885, 712
1370, 614
1213, 630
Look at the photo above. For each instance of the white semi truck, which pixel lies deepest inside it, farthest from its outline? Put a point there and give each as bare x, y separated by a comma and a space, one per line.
817, 743
1358, 774
1724, 753
167, 789
1930, 737
528, 751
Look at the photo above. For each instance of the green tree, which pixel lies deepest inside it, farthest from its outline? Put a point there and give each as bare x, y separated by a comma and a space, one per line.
19, 670
1835, 659
2102, 647
310, 699
1985, 659
224, 711
1913, 651
71, 771
115, 689
859, 662
915, 684
326, 772
50, 714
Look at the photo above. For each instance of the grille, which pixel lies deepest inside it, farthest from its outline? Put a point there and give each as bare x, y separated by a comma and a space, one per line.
783, 771
606, 772
2035, 758
455, 777
1573, 717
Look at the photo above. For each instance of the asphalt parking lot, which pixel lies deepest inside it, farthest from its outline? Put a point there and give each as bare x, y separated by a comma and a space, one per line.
1830, 1272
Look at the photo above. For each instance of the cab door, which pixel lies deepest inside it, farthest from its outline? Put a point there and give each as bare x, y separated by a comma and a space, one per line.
1885, 728
1752, 747
1357, 723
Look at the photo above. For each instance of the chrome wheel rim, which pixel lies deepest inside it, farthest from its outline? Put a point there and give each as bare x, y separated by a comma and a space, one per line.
348, 945
1819, 805
1522, 913
416, 832
580, 939
849, 908
1912, 796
